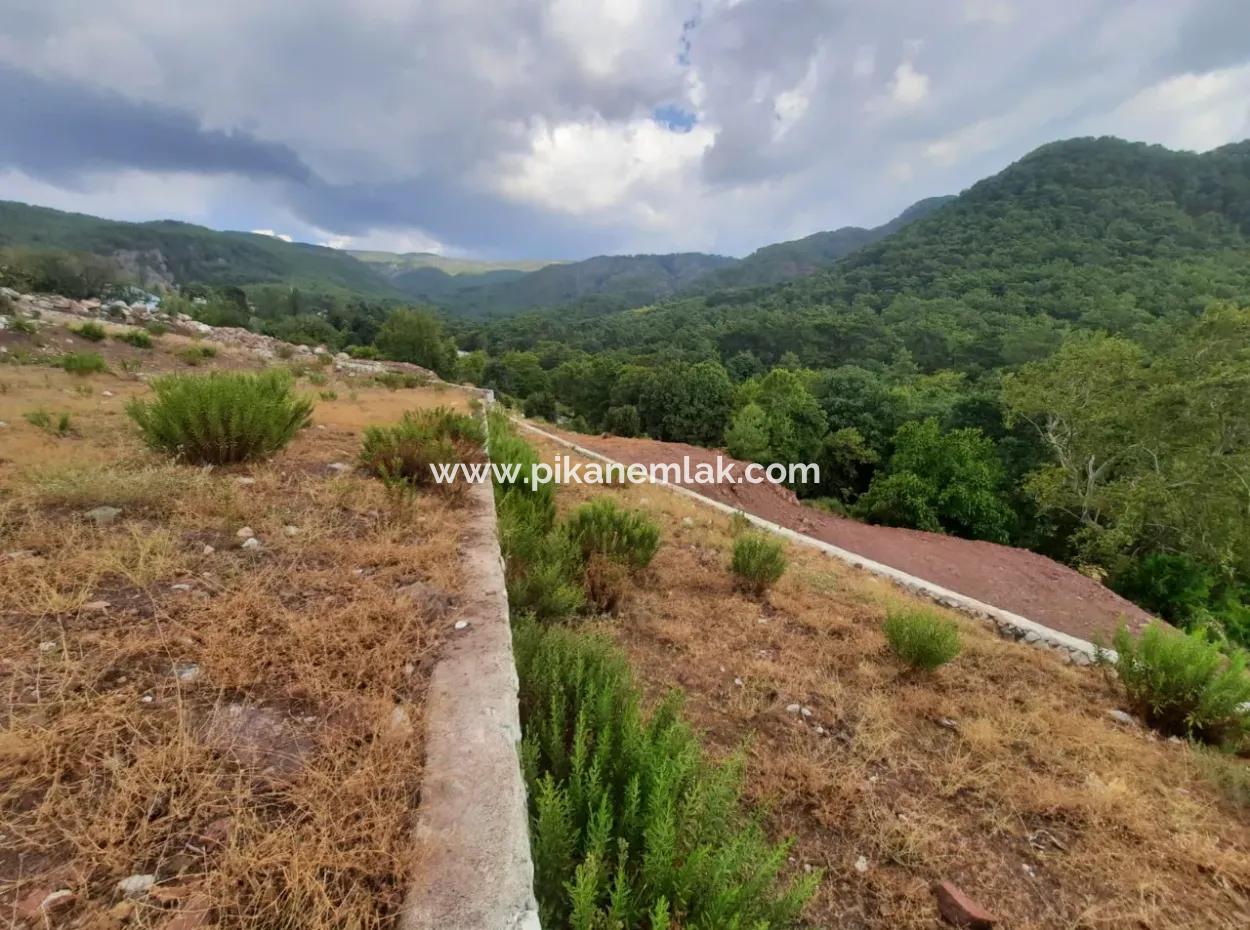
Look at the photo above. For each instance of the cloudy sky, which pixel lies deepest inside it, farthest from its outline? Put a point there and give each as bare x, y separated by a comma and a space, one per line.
566, 128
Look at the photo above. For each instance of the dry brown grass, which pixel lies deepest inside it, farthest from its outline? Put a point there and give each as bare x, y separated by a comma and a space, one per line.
244, 724
1001, 771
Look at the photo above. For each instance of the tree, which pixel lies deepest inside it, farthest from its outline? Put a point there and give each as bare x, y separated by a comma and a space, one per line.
747, 435
687, 403
935, 480
417, 337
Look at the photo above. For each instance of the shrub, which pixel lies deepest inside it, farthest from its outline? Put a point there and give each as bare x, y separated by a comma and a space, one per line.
329, 395
155, 328
394, 380
921, 638
318, 378
628, 537
1175, 587
139, 338
623, 420
758, 562
58, 424
1183, 685
24, 326
194, 355
221, 418
630, 826
83, 363
362, 352
540, 404
402, 454
90, 331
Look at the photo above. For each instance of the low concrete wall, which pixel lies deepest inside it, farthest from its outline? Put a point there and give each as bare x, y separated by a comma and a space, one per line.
1008, 624
472, 838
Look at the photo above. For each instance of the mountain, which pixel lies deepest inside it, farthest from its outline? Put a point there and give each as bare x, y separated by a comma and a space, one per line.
785, 261
393, 264
1092, 233
170, 252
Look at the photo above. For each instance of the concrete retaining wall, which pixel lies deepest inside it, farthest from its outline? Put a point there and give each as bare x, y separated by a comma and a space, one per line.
474, 868
1008, 624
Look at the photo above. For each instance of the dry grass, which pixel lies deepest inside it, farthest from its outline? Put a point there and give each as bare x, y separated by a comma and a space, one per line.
244, 724
999, 771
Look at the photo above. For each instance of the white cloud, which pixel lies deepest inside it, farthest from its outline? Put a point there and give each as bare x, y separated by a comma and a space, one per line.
1189, 111
595, 166
909, 86
272, 235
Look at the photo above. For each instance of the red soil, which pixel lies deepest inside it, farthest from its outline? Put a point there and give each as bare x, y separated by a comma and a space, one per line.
1017, 580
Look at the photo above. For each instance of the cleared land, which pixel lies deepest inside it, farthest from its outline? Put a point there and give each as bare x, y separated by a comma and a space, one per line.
1002, 771
242, 725
1017, 580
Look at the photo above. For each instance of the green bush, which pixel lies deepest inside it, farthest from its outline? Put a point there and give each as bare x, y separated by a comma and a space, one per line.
194, 355
921, 638
631, 827
83, 363
623, 420
24, 326
540, 404
394, 380
139, 338
155, 328
91, 331
402, 454
628, 537
362, 351
58, 424
221, 418
758, 562
1183, 685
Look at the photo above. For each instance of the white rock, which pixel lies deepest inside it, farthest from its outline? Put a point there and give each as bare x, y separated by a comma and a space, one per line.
461, 624
96, 605
339, 467
1121, 717
180, 587
245, 532
48, 645
136, 884
107, 394
3, 425
861, 865
794, 708
251, 543
806, 711
187, 673
208, 550
687, 522
738, 682
291, 530
244, 479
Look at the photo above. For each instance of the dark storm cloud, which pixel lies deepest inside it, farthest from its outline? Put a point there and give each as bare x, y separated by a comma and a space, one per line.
59, 130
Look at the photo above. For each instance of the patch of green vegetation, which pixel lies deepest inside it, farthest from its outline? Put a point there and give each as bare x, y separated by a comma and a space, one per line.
197, 354
758, 562
630, 826
1184, 685
221, 418
139, 338
403, 455
921, 638
83, 363
57, 424
91, 331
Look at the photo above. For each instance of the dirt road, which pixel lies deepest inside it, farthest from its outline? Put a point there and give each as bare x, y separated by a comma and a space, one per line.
1012, 579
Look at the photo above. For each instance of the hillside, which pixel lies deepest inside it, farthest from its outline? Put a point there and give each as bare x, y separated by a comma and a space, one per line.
182, 253
785, 261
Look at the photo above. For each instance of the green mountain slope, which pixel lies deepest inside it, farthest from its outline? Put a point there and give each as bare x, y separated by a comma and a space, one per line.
183, 253
393, 264
1089, 233
785, 261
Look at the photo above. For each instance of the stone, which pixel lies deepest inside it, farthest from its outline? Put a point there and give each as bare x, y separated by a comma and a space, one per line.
180, 587
959, 910
135, 885
96, 605
208, 550
3, 425
251, 543
1122, 718
291, 530
245, 532
102, 516
18, 554
861, 865
187, 672
793, 708
245, 480
687, 522
339, 467
461, 624
48, 645
107, 394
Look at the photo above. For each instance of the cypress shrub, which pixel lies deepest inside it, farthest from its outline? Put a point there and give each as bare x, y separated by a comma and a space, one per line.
922, 639
758, 562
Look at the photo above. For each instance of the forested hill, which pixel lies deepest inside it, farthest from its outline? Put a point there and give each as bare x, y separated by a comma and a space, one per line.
182, 253
786, 261
1089, 233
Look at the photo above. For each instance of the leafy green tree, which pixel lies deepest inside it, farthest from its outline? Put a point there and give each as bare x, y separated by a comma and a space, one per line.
518, 374
687, 403
941, 481
417, 337
747, 435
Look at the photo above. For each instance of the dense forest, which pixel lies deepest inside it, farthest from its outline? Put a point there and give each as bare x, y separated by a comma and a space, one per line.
1058, 358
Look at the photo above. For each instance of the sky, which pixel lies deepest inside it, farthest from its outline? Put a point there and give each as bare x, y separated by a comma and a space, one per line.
569, 128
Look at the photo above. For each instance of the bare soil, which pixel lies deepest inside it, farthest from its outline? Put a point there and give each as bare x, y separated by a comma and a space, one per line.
1017, 580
